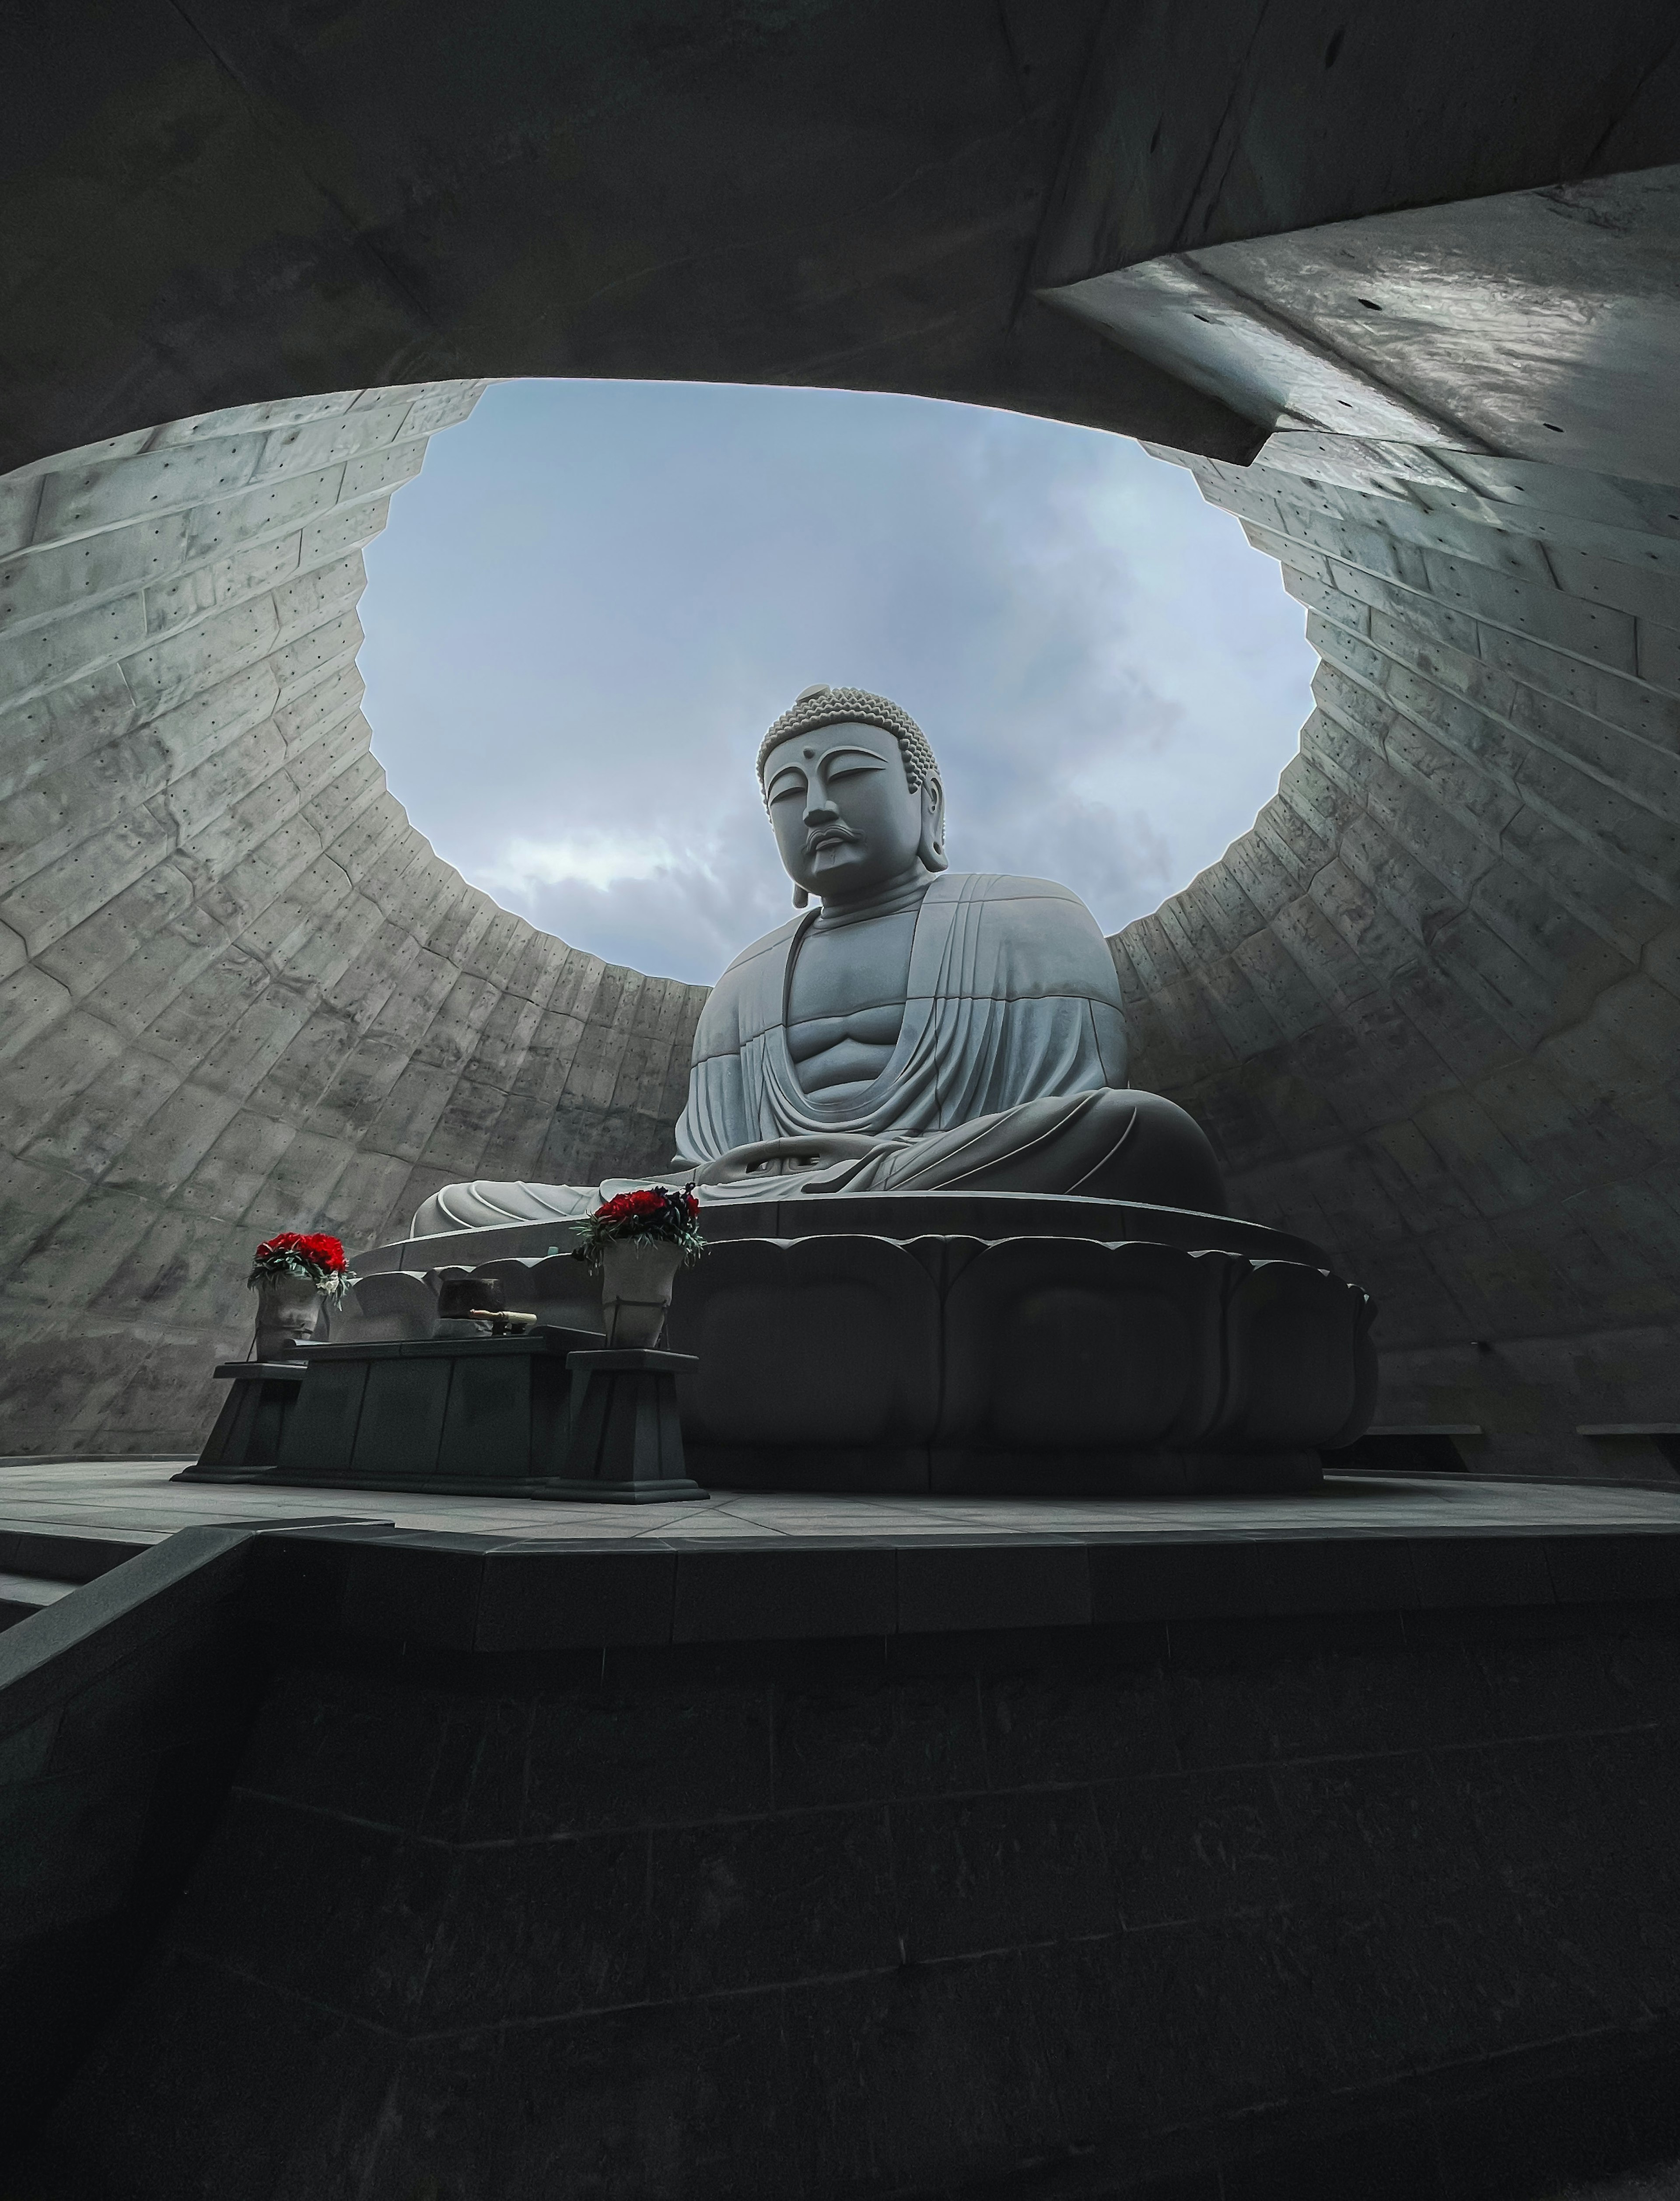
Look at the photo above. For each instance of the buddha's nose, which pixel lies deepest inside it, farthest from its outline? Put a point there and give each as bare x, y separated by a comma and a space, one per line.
819, 807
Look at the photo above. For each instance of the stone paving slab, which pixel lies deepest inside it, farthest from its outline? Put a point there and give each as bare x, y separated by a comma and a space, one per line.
1654, 2184
137, 1498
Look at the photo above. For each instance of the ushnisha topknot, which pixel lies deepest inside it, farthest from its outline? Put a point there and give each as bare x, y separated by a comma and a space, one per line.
834, 706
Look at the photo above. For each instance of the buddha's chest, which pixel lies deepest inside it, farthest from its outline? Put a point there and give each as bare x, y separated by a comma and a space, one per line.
854, 967
846, 1002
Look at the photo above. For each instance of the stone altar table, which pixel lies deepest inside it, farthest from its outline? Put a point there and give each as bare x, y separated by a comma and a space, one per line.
252, 1424
541, 1414
625, 1434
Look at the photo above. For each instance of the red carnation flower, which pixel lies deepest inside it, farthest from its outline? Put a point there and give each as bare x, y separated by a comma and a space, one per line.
311, 1253
648, 1215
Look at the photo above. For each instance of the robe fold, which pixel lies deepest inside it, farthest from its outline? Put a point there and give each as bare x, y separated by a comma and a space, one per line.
1011, 997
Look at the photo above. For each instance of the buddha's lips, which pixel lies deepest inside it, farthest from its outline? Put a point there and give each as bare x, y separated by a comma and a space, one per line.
831, 836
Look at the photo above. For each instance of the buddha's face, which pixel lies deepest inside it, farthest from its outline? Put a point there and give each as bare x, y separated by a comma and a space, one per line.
846, 819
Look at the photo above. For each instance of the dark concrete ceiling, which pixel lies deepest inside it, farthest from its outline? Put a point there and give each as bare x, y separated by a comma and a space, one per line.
1542, 324
1203, 123
222, 201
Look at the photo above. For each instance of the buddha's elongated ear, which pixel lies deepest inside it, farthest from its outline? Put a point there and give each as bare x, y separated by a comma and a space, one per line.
931, 848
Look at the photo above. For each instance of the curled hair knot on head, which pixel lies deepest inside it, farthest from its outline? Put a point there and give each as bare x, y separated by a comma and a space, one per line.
835, 706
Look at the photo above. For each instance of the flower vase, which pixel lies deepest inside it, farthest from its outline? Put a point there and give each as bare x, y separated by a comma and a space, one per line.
636, 1283
288, 1312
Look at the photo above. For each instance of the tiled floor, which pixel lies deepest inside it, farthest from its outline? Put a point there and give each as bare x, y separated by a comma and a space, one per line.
136, 1498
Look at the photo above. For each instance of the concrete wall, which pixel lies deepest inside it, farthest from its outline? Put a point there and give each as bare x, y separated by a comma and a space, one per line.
123, 1708
1428, 1005
204, 206
239, 992
1377, 1901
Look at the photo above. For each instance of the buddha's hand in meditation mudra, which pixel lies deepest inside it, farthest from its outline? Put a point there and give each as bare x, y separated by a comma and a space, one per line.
918, 1029
783, 1157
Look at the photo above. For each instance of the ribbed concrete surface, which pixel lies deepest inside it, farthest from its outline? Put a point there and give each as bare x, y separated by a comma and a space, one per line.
238, 991
1428, 1005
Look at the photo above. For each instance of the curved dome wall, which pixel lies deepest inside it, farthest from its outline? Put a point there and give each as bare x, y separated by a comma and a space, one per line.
1429, 1007
238, 991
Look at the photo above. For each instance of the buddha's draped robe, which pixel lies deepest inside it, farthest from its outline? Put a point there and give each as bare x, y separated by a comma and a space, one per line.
1009, 1074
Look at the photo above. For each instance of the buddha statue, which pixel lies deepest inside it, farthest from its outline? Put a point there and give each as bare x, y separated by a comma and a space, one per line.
912, 1028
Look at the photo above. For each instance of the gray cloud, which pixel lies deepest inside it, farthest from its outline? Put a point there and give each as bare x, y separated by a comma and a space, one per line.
597, 595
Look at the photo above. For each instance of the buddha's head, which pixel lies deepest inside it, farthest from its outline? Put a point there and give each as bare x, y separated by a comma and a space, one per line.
853, 793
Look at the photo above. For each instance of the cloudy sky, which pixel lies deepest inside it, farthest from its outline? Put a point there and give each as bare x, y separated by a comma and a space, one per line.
597, 596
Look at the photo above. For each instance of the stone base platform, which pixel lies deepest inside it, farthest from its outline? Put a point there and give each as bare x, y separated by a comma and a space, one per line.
886, 1215
982, 1342
1318, 1845
1047, 1473
145, 1499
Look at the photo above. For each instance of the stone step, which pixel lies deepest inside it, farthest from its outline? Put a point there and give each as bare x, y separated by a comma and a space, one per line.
20, 1595
38, 1567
